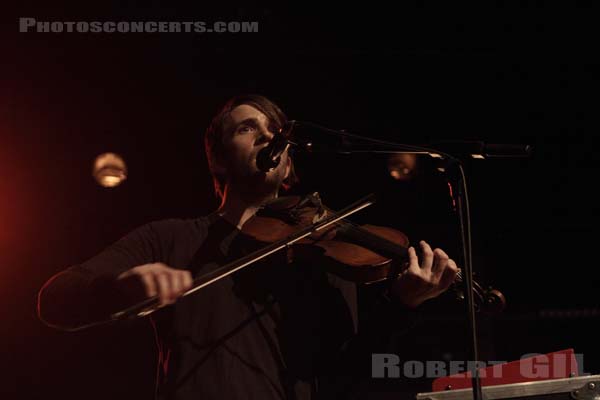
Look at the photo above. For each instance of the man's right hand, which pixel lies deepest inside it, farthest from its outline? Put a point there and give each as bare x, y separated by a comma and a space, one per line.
156, 279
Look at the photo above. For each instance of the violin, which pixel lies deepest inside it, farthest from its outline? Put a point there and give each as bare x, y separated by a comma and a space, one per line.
308, 231
358, 253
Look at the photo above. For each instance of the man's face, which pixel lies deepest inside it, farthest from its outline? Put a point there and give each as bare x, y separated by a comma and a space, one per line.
247, 131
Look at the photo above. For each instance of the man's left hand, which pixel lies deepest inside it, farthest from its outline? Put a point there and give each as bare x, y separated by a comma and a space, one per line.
425, 280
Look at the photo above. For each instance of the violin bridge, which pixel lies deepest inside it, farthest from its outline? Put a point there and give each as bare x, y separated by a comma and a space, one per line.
321, 211
322, 214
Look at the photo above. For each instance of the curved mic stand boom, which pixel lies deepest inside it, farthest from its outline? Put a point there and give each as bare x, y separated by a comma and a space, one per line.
456, 173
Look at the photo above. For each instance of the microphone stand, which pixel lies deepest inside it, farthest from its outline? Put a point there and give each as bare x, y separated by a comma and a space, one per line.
456, 174
464, 218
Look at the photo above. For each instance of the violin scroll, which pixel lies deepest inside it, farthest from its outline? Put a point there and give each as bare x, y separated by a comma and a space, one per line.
487, 301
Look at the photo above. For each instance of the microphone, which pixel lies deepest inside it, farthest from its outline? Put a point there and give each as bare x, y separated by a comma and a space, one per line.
269, 157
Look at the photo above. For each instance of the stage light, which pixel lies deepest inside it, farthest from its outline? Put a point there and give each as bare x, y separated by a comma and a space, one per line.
109, 170
402, 166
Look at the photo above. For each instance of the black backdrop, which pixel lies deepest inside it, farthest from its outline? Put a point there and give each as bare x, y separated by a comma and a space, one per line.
505, 73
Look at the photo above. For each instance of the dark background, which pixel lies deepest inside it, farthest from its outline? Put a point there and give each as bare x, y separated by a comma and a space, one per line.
503, 72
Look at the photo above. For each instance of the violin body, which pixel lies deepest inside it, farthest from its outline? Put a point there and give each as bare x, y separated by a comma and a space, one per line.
357, 263
342, 253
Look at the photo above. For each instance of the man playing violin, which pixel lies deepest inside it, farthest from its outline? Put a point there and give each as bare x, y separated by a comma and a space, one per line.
265, 332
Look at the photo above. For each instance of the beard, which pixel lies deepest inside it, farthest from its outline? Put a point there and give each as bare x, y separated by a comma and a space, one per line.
254, 185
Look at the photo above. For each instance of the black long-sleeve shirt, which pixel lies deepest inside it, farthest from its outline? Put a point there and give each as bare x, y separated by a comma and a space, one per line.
270, 331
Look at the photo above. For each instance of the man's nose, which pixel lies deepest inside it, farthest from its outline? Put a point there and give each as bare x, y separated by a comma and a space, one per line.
265, 135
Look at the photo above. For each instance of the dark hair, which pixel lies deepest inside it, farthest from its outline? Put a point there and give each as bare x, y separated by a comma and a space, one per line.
213, 139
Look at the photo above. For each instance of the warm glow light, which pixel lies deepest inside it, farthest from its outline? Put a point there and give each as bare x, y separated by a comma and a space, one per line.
109, 170
479, 156
402, 166
110, 181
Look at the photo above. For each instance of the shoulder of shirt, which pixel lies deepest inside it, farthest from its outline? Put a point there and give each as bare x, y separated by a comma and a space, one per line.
176, 225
